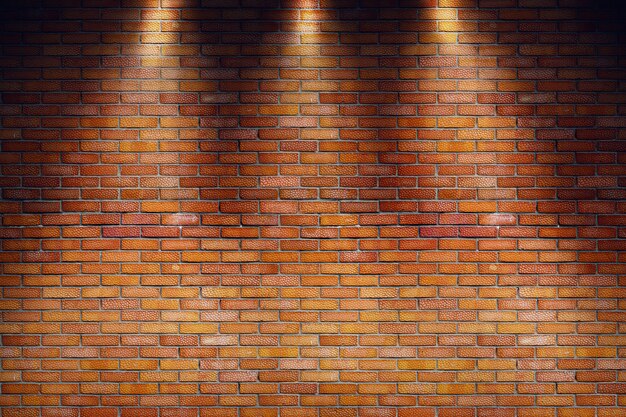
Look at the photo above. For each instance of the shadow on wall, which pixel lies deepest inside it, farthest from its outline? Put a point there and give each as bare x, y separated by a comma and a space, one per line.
463, 121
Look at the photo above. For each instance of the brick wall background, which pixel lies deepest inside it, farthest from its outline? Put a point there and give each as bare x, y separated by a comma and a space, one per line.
313, 208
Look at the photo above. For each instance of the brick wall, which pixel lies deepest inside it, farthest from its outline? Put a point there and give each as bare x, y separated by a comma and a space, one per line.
313, 208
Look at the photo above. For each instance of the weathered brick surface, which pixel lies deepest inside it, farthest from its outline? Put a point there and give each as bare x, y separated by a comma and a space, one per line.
327, 208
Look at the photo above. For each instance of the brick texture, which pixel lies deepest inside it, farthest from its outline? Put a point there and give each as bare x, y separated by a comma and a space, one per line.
313, 208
